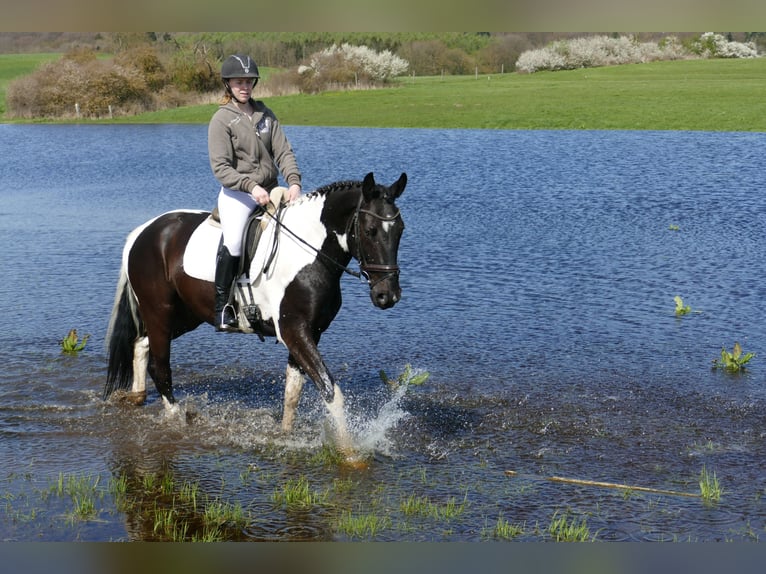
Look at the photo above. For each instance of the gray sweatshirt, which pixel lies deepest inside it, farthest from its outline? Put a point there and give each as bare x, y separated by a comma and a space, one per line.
244, 153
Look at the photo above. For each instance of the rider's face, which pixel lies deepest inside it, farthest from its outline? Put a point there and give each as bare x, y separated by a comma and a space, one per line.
241, 88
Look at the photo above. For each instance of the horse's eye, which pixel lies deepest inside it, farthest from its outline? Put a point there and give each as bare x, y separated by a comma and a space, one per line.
372, 231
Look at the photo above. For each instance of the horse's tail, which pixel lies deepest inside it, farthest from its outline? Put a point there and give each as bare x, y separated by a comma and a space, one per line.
124, 328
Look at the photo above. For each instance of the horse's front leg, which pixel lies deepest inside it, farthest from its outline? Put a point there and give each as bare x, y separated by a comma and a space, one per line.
305, 355
294, 380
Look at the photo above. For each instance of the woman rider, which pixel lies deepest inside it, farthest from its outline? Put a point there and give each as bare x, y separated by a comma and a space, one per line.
248, 150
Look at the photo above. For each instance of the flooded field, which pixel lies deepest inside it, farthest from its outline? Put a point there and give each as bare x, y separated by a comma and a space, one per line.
566, 399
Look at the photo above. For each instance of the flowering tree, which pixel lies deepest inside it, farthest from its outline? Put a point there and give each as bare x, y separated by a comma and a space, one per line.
359, 60
606, 51
711, 45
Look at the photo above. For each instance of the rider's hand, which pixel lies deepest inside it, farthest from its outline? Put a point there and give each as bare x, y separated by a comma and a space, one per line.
260, 195
293, 192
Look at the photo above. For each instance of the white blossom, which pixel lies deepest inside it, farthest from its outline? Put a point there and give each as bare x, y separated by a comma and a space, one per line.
377, 65
596, 51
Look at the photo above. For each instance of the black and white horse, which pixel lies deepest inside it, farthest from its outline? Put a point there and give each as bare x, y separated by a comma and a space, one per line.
291, 290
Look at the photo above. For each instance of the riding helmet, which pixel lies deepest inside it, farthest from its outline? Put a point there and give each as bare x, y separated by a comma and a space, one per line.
239, 66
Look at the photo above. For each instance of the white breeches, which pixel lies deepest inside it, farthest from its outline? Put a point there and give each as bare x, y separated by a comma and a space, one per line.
234, 207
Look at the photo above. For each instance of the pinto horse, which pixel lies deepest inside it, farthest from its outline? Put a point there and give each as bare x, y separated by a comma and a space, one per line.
166, 285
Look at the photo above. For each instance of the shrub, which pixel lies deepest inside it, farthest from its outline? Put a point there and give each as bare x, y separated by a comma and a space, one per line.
63, 86
598, 51
348, 65
147, 63
711, 45
605, 51
194, 72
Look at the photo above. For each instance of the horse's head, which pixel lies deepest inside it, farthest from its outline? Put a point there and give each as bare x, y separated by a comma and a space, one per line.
378, 229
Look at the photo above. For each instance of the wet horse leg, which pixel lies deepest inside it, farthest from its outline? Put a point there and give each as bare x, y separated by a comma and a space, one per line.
304, 352
140, 365
159, 367
294, 380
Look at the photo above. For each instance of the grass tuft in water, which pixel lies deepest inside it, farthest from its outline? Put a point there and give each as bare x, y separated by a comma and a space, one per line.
361, 525
297, 492
218, 513
422, 506
562, 529
710, 489
504, 530
83, 490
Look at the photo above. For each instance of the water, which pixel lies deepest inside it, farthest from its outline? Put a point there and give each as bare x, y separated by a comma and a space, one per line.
538, 276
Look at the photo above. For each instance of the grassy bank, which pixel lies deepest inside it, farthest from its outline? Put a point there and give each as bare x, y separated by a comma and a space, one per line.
716, 95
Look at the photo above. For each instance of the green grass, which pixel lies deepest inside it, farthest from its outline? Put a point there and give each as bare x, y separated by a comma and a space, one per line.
562, 529
361, 525
710, 489
716, 95
504, 530
297, 493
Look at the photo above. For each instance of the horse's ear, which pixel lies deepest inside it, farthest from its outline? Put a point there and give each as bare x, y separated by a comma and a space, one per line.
369, 188
398, 187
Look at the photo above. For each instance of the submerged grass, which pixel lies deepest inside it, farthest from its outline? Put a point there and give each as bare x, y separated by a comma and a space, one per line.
364, 526
566, 529
504, 530
338, 504
297, 492
710, 488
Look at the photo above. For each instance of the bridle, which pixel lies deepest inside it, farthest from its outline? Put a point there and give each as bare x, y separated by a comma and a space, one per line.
365, 268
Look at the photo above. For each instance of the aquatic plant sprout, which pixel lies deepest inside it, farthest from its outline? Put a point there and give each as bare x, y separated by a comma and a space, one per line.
733, 361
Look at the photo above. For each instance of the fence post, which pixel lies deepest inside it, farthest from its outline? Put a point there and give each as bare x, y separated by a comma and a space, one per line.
77, 110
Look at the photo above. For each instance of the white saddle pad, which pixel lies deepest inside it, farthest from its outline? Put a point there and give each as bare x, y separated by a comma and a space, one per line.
202, 250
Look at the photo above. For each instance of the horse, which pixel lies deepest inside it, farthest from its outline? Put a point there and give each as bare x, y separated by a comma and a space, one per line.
290, 291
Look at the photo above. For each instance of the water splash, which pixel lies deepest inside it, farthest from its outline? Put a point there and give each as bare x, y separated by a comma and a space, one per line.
372, 435
203, 421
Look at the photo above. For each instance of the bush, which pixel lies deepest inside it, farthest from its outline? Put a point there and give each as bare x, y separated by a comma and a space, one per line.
712, 45
349, 65
147, 63
90, 85
598, 51
136, 80
604, 51
194, 72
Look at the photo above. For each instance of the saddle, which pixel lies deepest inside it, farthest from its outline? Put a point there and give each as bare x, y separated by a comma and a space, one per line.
254, 228
256, 224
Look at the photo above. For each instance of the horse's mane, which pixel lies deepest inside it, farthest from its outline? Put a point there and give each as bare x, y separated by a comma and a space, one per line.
330, 187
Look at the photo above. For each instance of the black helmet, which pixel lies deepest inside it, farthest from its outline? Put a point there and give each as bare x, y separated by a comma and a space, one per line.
239, 66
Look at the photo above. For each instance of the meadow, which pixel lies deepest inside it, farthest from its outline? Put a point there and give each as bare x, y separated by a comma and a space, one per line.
708, 95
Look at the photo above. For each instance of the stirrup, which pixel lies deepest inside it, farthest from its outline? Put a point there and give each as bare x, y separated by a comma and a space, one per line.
228, 321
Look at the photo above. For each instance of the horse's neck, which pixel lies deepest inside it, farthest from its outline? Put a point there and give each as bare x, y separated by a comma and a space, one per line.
340, 206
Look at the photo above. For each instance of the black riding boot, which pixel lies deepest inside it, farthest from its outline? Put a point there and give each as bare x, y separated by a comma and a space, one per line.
225, 269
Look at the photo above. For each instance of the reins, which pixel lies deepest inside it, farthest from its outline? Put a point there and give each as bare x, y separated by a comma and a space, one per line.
364, 267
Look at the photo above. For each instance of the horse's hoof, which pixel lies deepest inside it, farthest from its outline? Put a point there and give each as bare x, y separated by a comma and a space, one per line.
136, 399
191, 417
355, 461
